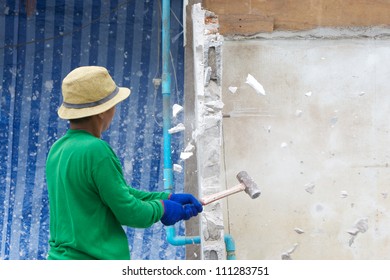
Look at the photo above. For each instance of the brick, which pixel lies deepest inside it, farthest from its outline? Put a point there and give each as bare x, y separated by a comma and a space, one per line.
227, 6
244, 24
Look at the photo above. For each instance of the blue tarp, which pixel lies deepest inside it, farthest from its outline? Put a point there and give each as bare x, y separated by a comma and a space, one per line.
36, 52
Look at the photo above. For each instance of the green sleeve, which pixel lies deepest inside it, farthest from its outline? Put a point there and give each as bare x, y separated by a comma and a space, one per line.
131, 207
147, 196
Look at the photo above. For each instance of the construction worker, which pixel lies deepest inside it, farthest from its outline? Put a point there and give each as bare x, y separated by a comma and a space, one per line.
89, 198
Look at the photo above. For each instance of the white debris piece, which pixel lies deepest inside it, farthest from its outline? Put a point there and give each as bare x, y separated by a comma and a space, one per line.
177, 168
298, 230
185, 155
250, 80
176, 109
343, 194
308, 94
283, 145
233, 90
189, 148
309, 187
287, 255
178, 128
360, 226
298, 113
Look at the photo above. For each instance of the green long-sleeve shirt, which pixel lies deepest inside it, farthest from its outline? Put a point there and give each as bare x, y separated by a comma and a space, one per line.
90, 200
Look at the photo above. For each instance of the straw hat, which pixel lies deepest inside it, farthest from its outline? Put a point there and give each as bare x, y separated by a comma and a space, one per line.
88, 91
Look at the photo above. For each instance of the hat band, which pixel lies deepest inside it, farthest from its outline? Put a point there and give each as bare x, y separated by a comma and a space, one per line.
91, 104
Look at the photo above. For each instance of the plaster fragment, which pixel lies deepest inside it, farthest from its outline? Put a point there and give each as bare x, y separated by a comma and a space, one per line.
287, 255
343, 194
176, 109
250, 80
308, 94
361, 226
298, 230
309, 187
233, 90
189, 148
267, 128
177, 168
178, 128
298, 113
185, 155
283, 145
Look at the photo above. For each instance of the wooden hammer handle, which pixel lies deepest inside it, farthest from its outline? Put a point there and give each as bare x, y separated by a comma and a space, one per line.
214, 197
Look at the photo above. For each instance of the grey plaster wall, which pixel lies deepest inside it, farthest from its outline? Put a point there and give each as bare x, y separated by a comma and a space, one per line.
317, 143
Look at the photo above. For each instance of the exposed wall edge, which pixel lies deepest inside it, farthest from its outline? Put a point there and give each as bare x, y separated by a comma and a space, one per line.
375, 32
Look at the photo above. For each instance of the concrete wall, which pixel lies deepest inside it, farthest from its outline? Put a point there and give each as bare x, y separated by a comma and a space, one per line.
317, 144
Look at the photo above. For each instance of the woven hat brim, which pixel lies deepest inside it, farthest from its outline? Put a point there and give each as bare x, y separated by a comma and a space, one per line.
71, 113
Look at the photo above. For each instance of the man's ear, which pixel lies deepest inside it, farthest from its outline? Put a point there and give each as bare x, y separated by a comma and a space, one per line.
101, 116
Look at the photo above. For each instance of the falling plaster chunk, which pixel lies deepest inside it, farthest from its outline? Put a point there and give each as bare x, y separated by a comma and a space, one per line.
310, 188
250, 80
267, 128
298, 113
298, 230
287, 255
308, 94
189, 148
176, 109
186, 155
177, 168
343, 194
361, 226
283, 145
233, 90
178, 128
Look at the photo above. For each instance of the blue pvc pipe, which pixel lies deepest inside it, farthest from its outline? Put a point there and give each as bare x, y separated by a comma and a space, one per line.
168, 171
166, 93
230, 247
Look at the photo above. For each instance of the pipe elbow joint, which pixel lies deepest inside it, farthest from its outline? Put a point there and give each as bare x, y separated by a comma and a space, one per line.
180, 240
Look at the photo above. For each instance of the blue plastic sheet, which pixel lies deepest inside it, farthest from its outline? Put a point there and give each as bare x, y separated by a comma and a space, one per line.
36, 52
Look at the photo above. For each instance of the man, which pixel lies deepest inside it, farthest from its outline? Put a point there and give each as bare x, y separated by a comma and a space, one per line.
88, 195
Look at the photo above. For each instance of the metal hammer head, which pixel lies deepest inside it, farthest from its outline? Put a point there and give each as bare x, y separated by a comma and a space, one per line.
251, 187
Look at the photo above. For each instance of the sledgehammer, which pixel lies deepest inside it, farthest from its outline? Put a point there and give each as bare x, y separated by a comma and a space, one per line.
246, 184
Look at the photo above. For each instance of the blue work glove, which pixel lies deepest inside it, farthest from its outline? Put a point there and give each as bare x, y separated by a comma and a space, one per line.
186, 198
175, 212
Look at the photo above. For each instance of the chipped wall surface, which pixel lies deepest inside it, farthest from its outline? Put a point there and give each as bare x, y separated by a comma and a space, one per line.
207, 135
315, 137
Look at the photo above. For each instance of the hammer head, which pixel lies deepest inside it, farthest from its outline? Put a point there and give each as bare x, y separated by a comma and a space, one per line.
251, 187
